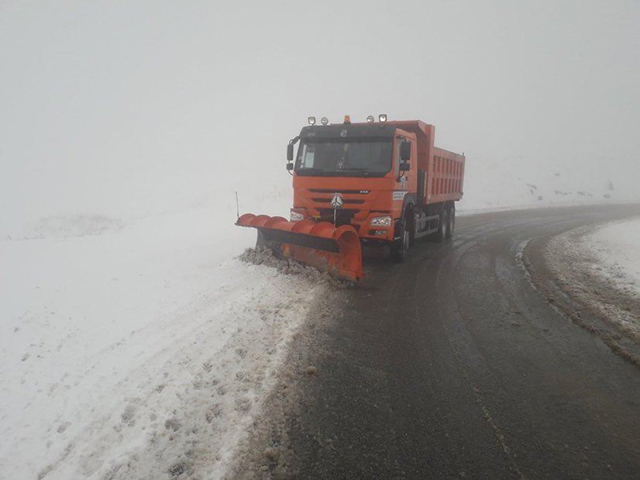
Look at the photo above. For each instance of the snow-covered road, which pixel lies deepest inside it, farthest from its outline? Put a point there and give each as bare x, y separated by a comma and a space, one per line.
136, 350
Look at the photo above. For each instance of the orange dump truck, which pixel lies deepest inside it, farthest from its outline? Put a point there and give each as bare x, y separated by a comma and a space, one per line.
378, 183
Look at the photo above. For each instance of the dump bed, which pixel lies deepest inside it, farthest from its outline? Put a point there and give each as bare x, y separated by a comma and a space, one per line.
441, 173
444, 176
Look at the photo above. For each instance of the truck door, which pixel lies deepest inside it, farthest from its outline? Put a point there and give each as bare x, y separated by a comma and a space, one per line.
401, 180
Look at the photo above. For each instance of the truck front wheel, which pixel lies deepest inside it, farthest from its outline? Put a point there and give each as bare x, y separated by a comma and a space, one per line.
400, 247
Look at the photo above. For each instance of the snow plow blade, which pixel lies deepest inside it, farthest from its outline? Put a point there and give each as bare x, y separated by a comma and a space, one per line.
331, 249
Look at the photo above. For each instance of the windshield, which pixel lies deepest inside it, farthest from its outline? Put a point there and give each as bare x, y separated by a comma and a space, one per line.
337, 157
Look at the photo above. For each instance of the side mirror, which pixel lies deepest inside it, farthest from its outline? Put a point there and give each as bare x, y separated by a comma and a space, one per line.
289, 166
405, 166
405, 151
290, 152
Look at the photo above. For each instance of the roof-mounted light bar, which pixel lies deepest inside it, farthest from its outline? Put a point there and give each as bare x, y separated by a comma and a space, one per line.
382, 118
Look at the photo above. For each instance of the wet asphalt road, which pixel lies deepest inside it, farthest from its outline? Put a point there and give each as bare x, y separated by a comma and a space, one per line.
452, 365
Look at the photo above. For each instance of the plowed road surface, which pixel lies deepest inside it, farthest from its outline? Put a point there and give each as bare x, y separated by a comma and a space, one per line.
453, 365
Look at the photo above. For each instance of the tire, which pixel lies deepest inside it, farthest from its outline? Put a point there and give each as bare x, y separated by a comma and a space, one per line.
400, 248
452, 223
442, 226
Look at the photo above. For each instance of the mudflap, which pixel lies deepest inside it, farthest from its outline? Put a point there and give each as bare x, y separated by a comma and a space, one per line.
331, 249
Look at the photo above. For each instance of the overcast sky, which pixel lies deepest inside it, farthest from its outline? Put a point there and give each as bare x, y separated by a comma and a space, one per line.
141, 106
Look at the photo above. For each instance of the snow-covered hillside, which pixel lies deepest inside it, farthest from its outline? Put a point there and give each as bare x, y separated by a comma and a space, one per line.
136, 349
526, 181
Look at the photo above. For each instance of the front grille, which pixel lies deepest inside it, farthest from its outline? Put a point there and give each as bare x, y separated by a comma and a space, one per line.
343, 215
345, 200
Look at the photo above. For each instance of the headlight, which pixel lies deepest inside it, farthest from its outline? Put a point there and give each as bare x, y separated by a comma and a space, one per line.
381, 222
296, 216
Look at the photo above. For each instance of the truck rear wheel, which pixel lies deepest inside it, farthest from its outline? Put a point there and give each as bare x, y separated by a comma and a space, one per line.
451, 223
442, 226
400, 247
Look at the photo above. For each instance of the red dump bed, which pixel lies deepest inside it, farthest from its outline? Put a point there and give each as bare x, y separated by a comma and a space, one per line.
444, 178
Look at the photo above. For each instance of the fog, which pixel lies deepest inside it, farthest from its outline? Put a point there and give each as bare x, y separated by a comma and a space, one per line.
134, 108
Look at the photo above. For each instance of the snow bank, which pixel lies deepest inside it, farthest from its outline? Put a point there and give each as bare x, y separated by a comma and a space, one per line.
600, 270
136, 349
616, 247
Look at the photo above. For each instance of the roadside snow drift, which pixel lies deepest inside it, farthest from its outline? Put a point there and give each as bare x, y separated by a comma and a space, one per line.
136, 350
616, 247
601, 269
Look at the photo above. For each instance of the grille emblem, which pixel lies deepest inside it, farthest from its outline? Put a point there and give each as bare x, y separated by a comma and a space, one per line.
337, 201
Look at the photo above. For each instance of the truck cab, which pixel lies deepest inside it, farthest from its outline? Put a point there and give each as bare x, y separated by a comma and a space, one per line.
379, 183
361, 174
